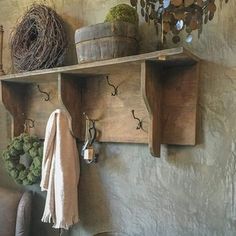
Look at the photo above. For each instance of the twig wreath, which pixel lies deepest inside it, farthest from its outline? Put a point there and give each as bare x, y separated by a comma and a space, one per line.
23, 159
39, 40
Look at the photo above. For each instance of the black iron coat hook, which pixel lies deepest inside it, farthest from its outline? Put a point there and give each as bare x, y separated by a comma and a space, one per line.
113, 86
140, 123
46, 97
29, 124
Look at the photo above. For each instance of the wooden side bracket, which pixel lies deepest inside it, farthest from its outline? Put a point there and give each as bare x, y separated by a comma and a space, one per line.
69, 96
151, 90
171, 95
12, 96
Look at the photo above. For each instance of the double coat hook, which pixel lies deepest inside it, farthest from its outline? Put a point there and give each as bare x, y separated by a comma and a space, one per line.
46, 96
113, 86
1, 49
88, 151
92, 131
140, 123
29, 124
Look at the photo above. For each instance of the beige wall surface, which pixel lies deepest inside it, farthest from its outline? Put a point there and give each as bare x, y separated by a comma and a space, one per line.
190, 190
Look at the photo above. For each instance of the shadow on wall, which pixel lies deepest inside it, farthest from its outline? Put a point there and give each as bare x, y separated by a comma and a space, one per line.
95, 215
6, 181
71, 24
97, 196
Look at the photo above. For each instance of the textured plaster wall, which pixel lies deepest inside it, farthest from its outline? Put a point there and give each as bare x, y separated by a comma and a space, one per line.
190, 190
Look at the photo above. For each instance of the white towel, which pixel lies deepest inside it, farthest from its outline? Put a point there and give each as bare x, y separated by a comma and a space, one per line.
60, 172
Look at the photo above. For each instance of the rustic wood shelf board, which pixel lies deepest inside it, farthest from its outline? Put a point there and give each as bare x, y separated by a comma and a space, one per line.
161, 87
177, 55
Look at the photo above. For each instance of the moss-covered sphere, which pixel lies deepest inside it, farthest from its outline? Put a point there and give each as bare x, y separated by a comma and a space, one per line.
122, 12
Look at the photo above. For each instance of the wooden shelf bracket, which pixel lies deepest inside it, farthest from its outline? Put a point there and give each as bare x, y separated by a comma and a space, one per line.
151, 91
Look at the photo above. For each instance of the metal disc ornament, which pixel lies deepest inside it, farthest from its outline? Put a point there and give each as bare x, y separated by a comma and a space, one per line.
166, 3
174, 16
179, 24
189, 38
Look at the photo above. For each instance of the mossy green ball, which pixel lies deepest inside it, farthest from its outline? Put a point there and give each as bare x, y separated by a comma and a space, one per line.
122, 12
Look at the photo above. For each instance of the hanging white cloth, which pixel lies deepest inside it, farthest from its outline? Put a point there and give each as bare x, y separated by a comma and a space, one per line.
60, 172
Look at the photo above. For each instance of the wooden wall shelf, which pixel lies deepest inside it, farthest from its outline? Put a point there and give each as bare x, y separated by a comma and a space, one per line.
161, 87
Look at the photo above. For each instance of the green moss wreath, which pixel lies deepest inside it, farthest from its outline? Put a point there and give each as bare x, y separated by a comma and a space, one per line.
23, 159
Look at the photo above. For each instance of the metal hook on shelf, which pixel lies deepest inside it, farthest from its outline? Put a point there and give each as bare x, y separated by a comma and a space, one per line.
46, 95
86, 116
91, 129
88, 151
1, 50
113, 86
140, 123
94, 134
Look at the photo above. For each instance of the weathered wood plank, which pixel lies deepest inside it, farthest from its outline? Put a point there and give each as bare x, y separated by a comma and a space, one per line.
179, 104
38, 109
174, 55
113, 113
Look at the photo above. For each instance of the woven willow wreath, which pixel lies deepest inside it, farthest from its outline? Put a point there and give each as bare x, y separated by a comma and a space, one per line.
39, 40
23, 159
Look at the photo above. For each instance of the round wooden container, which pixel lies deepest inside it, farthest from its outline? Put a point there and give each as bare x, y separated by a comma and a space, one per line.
105, 41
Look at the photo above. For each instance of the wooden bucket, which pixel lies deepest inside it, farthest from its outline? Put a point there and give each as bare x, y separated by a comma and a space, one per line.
105, 41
